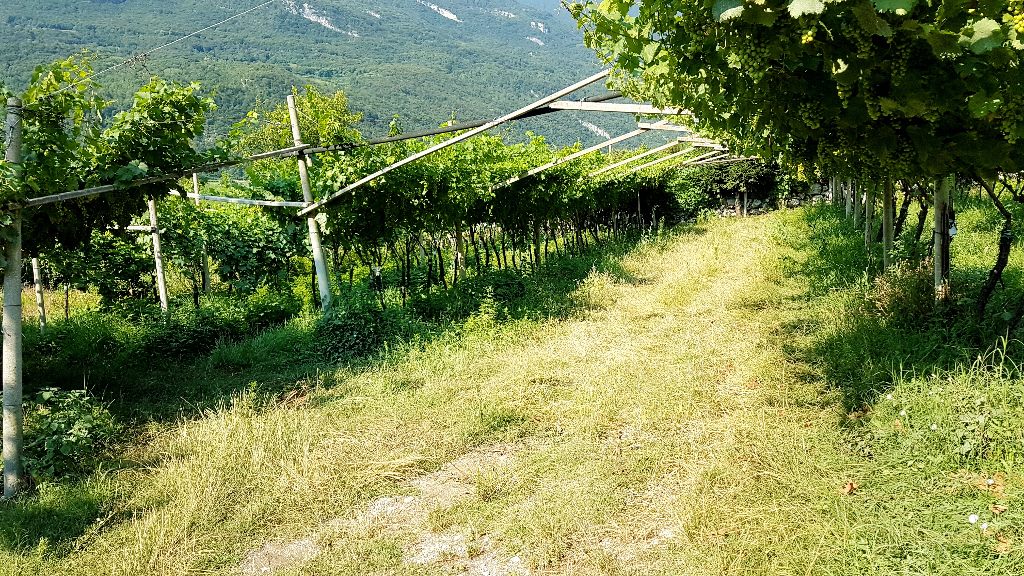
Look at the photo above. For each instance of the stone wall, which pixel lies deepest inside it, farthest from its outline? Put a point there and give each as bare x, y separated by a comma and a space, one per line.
817, 195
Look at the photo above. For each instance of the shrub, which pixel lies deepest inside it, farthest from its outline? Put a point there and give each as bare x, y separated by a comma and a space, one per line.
358, 328
67, 433
905, 295
105, 347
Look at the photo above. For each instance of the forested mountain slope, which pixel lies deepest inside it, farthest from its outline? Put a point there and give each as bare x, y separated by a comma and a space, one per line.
425, 60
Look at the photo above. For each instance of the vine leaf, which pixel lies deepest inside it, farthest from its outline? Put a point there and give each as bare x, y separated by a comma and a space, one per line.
988, 35
900, 7
727, 9
798, 8
870, 21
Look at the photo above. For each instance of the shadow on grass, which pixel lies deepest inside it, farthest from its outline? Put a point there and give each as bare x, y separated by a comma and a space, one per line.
861, 349
307, 354
50, 521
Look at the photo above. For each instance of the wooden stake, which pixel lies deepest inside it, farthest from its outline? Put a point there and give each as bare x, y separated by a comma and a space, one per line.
319, 263
158, 257
37, 279
888, 203
13, 415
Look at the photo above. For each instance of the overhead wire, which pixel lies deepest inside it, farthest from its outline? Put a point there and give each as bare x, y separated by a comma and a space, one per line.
143, 55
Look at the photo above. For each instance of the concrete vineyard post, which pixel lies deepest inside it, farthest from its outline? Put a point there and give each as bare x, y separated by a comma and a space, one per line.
942, 238
869, 217
37, 280
158, 257
858, 204
12, 392
319, 262
888, 208
848, 197
204, 258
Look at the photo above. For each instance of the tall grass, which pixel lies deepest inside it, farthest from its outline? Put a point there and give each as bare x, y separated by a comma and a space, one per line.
723, 399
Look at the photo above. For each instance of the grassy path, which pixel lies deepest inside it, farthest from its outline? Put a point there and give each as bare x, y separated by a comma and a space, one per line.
666, 430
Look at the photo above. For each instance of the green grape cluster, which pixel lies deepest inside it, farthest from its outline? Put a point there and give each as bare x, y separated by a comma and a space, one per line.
808, 36
1015, 12
861, 39
845, 93
1012, 119
899, 58
751, 57
810, 115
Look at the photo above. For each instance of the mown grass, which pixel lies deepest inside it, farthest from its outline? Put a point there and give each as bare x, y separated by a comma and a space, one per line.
720, 400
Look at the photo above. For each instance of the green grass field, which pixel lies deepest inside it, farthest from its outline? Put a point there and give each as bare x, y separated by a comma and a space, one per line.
721, 400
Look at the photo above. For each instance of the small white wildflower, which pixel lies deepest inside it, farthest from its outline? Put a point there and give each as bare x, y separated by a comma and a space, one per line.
903, 412
888, 396
973, 518
984, 526
990, 481
934, 427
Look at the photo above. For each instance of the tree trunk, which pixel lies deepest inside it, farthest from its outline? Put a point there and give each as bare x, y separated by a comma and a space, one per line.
901, 219
1006, 238
37, 281
536, 245
922, 219
440, 265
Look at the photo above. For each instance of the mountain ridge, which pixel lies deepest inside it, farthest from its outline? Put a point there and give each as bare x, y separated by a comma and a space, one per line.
425, 60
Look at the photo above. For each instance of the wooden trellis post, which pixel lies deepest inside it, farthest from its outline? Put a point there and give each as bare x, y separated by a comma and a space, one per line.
12, 391
319, 263
37, 280
158, 257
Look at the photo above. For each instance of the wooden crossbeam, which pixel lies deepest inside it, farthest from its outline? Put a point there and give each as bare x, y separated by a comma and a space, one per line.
244, 201
614, 107
96, 191
666, 127
573, 156
675, 156
453, 141
632, 159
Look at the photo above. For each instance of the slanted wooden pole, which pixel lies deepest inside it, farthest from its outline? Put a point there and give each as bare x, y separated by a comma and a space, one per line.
888, 209
37, 279
323, 281
158, 257
204, 258
943, 188
13, 411
632, 159
455, 140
